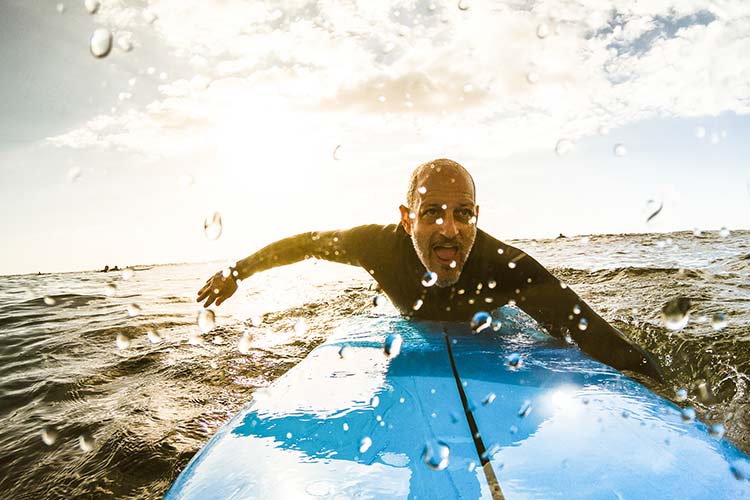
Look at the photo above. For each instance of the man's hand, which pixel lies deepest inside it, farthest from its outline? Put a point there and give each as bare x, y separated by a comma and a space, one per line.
219, 288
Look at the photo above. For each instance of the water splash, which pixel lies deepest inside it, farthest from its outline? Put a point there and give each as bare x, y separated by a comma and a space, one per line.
436, 454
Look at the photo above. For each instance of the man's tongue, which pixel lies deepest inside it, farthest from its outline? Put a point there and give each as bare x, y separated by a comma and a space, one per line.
446, 253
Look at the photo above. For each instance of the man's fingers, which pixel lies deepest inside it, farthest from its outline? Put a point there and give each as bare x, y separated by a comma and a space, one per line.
210, 301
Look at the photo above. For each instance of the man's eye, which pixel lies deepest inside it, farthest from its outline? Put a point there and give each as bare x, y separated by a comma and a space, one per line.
464, 214
430, 212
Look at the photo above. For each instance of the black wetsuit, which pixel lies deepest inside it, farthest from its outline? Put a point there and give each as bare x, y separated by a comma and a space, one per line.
494, 274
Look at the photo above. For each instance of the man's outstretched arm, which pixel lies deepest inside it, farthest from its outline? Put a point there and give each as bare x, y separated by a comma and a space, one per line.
329, 245
560, 310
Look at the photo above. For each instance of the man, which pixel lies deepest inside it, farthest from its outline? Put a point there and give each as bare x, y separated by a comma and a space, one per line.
437, 265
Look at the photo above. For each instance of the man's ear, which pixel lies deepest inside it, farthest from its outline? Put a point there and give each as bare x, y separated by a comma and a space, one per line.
405, 219
476, 213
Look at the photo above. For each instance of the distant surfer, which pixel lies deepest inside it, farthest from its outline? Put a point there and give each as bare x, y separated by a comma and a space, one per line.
437, 265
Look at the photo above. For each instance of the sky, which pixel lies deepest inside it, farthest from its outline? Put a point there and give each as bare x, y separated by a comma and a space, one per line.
574, 117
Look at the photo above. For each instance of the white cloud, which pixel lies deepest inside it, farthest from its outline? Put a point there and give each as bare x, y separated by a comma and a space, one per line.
442, 75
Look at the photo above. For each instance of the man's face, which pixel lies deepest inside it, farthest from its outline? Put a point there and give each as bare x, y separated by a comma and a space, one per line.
442, 224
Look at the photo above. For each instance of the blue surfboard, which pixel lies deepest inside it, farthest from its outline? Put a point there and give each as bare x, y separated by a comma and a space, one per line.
509, 414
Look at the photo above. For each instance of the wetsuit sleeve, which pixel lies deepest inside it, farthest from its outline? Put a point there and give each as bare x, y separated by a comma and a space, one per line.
343, 246
559, 309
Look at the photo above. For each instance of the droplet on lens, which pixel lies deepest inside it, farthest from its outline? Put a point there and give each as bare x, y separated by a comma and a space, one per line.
300, 327
50, 301
378, 301
439, 221
125, 44
724, 232
532, 77
436, 454
525, 409
110, 289
741, 469
375, 401
422, 190
344, 351
681, 395
717, 431
127, 273
122, 341
392, 345
74, 173
719, 321
620, 150
576, 309
463, 5
153, 336
480, 321
60, 8
488, 399
345, 427
514, 361
245, 344
92, 6
134, 310
564, 146
364, 444
86, 442
676, 313
206, 320
687, 414
212, 226
49, 435
429, 279
100, 43
700, 132
149, 16
453, 264
542, 31
418, 304
583, 324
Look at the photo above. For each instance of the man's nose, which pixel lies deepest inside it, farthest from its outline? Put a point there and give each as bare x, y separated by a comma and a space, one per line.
449, 228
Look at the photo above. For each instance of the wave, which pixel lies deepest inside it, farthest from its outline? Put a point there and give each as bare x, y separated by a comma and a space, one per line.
629, 272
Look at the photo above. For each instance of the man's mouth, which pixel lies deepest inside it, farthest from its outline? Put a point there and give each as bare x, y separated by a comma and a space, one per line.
446, 253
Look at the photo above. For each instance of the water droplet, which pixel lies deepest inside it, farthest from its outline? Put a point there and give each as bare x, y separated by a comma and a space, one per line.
700, 132
212, 226
697, 232
206, 320
91, 6
378, 301
687, 414
110, 289
153, 336
300, 327
412, 215
453, 264
480, 321
150, 70
724, 232
364, 444
134, 310
345, 427
195, 339
620, 150
256, 320
583, 324
100, 42
439, 221
564, 146
717, 431
542, 31
653, 208
436, 454
422, 190
463, 5
122, 341
60, 8
401, 400
514, 361
741, 469
513, 429
525, 409
345, 352
714, 138
392, 345
532, 77
162, 75
676, 313
681, 395
417, 304
382, 98
567, 337
488, 399
719, 321
74, 173
245, 343
149, 16
127, 273
375, 401
576, 309
429, 279
125, 44
86, 442
49, 435
490, 452
49, 300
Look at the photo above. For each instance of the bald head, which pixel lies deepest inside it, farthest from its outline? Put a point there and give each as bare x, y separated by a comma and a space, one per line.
441, 167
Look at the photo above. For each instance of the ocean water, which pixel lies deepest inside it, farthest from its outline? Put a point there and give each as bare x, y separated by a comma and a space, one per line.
115, 370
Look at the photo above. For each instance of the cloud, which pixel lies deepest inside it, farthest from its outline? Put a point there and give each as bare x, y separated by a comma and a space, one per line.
434, 73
